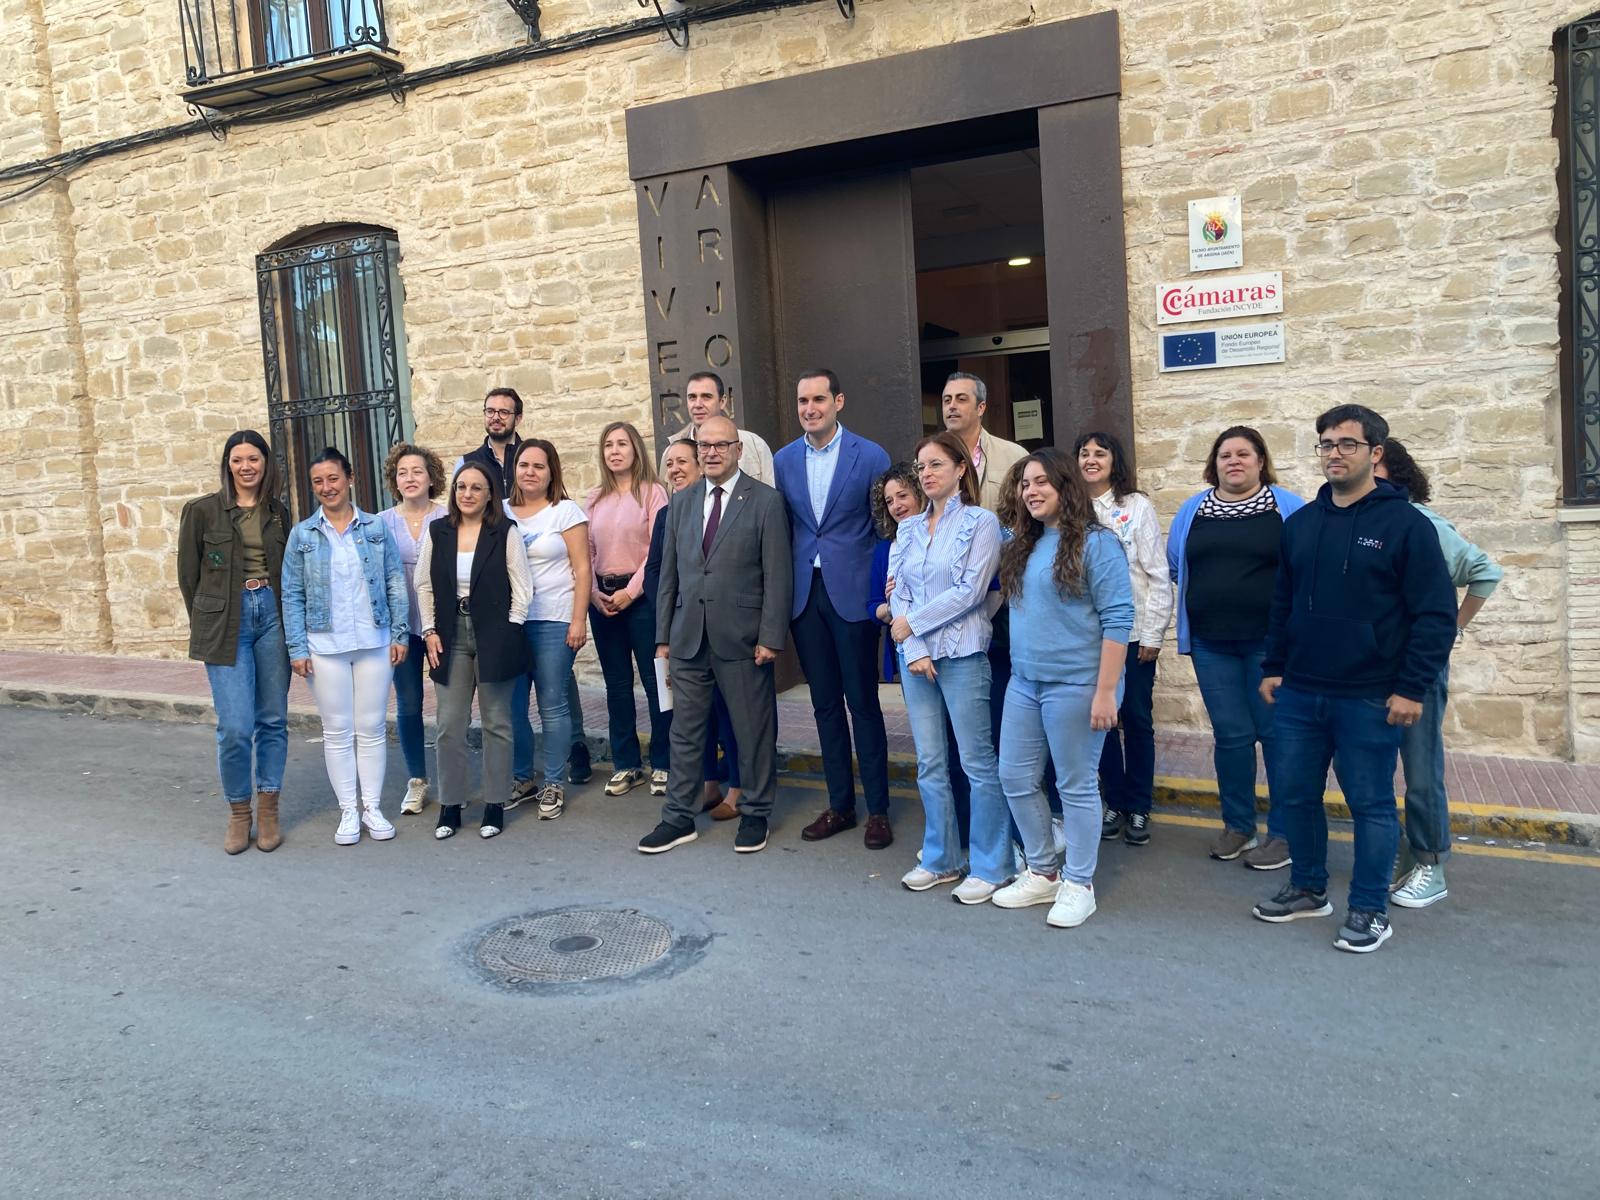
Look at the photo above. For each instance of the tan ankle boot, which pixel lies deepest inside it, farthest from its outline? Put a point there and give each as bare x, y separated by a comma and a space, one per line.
268, 836
238, 835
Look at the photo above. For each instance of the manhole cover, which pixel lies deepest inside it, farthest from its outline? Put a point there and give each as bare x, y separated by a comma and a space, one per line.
572, 946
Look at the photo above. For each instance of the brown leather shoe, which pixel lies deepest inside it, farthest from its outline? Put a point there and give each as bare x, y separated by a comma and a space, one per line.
268, 836
237, 837
878, 836
828, 824
726, 811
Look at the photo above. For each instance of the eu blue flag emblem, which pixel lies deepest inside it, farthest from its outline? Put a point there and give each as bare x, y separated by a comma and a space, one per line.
1188, 350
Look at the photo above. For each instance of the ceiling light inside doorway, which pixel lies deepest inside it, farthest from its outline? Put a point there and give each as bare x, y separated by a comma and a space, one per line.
1020, 261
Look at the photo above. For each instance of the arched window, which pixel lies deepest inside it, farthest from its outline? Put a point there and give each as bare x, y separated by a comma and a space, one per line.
1577, 54
335, 354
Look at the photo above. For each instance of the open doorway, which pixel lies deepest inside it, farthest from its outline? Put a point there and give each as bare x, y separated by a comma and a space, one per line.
982, 301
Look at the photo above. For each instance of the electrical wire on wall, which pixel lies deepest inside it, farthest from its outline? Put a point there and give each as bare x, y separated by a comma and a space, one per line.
44, 171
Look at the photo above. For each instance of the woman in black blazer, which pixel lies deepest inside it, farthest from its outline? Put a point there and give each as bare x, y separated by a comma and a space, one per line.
472, 596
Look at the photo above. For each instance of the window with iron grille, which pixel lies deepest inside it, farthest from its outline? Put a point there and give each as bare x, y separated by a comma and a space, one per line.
334, 347
1577, 56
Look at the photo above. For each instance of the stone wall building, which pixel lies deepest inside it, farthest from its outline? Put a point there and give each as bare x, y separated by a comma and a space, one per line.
492, 193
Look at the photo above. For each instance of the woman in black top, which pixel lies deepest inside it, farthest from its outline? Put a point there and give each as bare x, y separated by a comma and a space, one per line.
472, 597
1223, 552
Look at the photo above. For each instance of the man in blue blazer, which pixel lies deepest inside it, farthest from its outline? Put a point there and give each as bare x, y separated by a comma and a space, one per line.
826, 477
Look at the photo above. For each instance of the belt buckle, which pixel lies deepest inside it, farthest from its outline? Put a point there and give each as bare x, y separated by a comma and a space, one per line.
463, 605
254, 585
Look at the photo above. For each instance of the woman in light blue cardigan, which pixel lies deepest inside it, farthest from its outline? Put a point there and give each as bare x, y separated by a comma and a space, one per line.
1067, 581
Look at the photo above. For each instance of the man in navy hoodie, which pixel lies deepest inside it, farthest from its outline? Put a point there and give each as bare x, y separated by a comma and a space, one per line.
1363, 620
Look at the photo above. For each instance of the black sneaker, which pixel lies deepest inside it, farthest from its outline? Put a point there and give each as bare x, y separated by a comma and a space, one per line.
579, 769
752, 835
1363, 931
1110, 823
664, 837
1137, 830
1291, 903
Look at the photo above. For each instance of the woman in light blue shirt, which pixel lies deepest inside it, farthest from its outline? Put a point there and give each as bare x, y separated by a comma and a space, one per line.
344, 618
1067, 581
943, 560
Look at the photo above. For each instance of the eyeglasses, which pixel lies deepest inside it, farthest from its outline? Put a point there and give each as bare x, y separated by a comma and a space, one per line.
716, 447
1345, 447
504, 413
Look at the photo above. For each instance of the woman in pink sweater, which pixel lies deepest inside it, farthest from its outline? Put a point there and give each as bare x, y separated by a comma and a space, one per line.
622, 511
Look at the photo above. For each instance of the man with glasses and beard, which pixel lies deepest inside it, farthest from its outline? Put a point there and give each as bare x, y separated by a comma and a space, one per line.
502, 409
1362, 622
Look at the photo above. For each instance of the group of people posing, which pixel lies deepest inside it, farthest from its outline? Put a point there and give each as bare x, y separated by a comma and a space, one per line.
990, 581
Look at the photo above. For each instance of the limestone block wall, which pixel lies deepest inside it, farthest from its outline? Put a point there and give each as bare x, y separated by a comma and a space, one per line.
1396, 163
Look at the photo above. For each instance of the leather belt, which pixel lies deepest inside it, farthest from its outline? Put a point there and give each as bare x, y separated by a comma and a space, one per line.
255, 585
464, 605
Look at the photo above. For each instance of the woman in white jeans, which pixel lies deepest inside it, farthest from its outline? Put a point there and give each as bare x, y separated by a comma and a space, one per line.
344, 615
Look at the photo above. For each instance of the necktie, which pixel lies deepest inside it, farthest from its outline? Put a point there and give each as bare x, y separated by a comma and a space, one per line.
712, 522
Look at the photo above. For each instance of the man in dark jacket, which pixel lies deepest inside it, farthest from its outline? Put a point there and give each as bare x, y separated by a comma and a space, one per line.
502, 409
1362, 622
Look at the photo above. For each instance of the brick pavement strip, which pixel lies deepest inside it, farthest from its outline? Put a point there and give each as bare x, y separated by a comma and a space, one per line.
1491, 797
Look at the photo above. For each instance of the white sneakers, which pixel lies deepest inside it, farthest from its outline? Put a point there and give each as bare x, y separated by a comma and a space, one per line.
352, 820
973, 890
1074, 905
377, 825
416, 797
1027, 889
919, 880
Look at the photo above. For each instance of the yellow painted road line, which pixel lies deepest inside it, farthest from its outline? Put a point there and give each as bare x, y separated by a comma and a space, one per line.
1337, 835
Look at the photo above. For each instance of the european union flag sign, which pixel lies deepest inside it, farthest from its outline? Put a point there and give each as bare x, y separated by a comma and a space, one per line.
1181, 350
1235, 346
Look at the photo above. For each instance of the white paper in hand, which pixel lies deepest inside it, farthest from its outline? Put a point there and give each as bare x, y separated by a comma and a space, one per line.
663, 692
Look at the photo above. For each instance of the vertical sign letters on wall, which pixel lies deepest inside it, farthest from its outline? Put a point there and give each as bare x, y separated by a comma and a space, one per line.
686, 247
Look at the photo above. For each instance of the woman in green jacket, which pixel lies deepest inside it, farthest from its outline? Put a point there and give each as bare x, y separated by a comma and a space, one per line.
230, 556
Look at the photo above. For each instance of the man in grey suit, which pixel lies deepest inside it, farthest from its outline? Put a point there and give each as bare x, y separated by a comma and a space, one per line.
722, 615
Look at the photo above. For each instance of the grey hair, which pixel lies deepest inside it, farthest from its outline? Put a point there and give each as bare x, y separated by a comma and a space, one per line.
980, 389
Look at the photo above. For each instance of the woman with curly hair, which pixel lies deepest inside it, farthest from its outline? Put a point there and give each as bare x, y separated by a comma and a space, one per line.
1066, 579
895, 495
416, 480
1128, 762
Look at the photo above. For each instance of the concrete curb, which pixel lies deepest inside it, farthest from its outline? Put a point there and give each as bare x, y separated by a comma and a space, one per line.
1475, 820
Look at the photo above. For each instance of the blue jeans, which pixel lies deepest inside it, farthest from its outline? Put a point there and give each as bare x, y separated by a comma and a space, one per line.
408, 708
1128, 758
1310, 730
1422, 759
1229, 674
1049, 722
252, 702
622, 643
552, 669
962, 688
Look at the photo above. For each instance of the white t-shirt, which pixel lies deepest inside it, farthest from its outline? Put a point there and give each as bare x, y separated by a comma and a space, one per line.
547, 558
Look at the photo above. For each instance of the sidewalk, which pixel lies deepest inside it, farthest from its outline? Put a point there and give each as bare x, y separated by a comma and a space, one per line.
1490, 796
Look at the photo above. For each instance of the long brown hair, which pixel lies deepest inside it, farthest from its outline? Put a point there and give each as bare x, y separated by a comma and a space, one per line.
1075, 520
957, 450
640, 477
558, 490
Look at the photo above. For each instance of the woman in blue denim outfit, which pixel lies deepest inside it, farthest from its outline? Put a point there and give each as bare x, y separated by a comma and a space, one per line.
344, 614
1222, 550
416, 479
1067, 581
555, 537
230, 557
942, 563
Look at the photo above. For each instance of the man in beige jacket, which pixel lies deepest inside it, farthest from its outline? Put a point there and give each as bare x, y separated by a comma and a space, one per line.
964, 400
705, 397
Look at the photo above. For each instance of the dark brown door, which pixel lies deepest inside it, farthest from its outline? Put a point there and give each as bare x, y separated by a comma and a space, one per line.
844, 284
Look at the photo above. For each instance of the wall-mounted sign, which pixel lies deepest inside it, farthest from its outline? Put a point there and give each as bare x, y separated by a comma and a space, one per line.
1212, 299
1235, 346
1027, 419
1216, 233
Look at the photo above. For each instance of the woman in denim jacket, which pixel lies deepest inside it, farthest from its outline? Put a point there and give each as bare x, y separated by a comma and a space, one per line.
345, 607
943, 560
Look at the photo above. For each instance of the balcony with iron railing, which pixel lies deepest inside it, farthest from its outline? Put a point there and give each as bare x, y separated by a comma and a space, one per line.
239, 52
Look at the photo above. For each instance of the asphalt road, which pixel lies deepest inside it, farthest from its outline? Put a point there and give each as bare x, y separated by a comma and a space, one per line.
179, 1023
